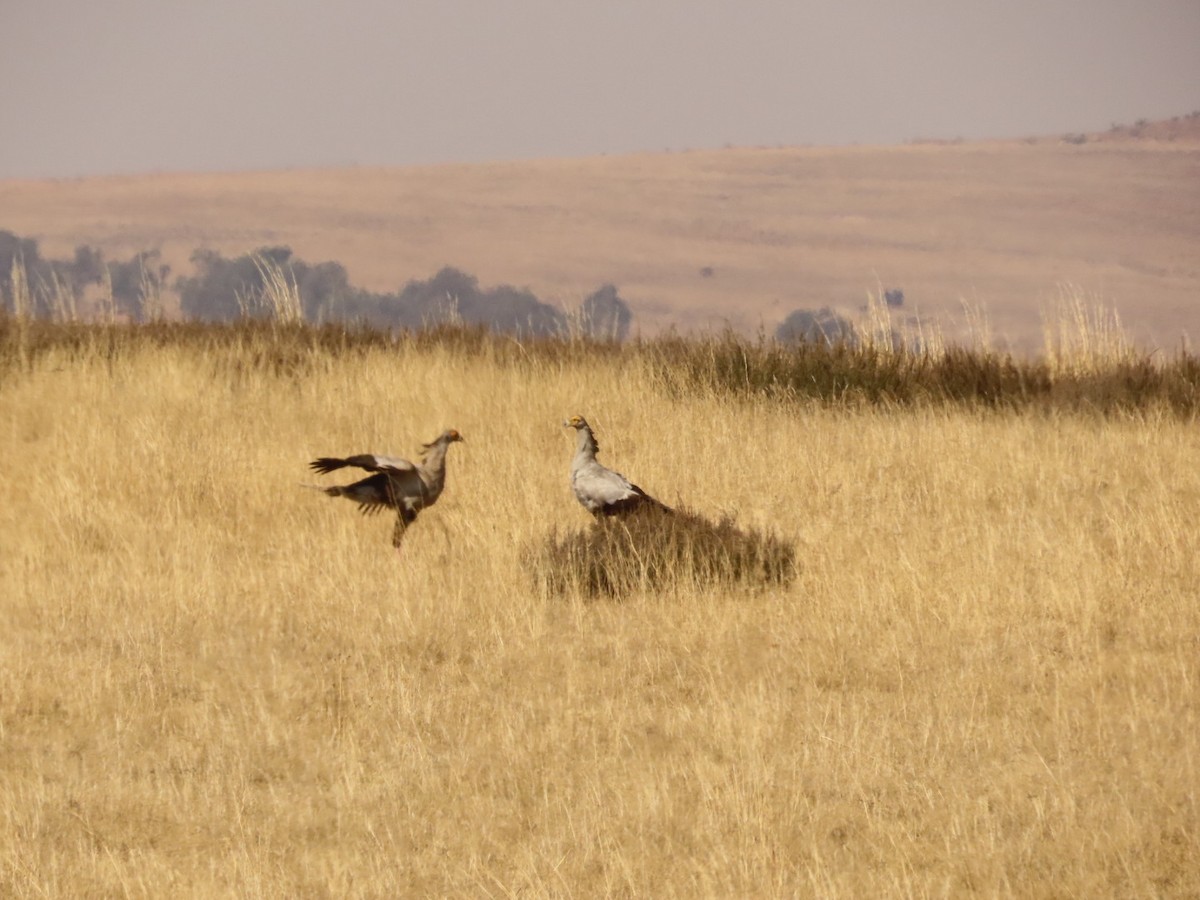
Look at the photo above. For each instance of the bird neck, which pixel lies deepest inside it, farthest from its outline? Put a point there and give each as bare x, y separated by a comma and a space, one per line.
433, 466
586, 446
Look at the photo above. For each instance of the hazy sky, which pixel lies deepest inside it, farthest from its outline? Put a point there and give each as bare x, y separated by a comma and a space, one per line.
130, 86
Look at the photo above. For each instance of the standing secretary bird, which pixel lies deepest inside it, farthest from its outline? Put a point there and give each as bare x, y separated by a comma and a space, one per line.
602, 491
397, 483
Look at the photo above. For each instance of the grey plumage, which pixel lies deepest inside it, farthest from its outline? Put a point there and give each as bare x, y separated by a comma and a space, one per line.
397, 483
602, 491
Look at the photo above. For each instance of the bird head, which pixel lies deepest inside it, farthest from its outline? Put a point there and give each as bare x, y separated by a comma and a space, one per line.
449, 436
575, 422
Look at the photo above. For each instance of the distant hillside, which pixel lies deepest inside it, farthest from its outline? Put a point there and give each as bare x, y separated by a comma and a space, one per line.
700, 239
1179, 128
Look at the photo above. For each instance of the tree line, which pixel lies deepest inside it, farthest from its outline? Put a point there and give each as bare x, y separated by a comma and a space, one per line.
223, 289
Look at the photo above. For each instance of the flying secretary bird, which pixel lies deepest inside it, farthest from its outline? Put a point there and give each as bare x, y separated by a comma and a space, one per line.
602, 491
397, 483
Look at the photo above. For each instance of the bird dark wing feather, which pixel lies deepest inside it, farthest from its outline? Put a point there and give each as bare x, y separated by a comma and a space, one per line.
371, 494
326, 464
636, 499
367, 461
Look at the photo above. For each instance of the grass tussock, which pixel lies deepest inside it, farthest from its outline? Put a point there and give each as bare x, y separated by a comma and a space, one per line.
654, 550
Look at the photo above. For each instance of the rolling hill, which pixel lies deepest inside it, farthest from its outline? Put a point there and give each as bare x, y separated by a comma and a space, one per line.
700, 239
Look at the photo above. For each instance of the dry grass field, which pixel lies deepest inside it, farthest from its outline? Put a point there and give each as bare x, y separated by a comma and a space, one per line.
1001, 226
217, 683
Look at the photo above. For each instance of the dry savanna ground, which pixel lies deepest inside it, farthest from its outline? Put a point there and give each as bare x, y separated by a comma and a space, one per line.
998, 226
218, 683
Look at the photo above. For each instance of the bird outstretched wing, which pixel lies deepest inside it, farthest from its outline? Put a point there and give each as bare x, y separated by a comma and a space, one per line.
369, 462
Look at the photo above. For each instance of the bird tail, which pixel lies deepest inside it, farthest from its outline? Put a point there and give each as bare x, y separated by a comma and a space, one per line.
335, 491
644, 500
652, 504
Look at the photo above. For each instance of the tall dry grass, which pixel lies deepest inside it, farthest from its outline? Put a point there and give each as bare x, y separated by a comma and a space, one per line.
216, 683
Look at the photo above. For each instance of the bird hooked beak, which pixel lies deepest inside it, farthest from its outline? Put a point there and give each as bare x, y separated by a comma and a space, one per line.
451, 435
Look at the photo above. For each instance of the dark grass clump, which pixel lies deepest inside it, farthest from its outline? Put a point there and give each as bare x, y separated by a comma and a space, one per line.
834, 373
839, 374
259, 345
654, 550
844, 374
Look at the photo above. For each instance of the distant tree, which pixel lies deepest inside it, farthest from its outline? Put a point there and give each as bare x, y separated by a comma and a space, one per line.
376, 310
603, 315
324, 288
450, 283
48, 281
226, 289
822, 326
435, 300
453, 295
514, 310
13, 247
23, 252
137, 281
87, 267
218, 290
